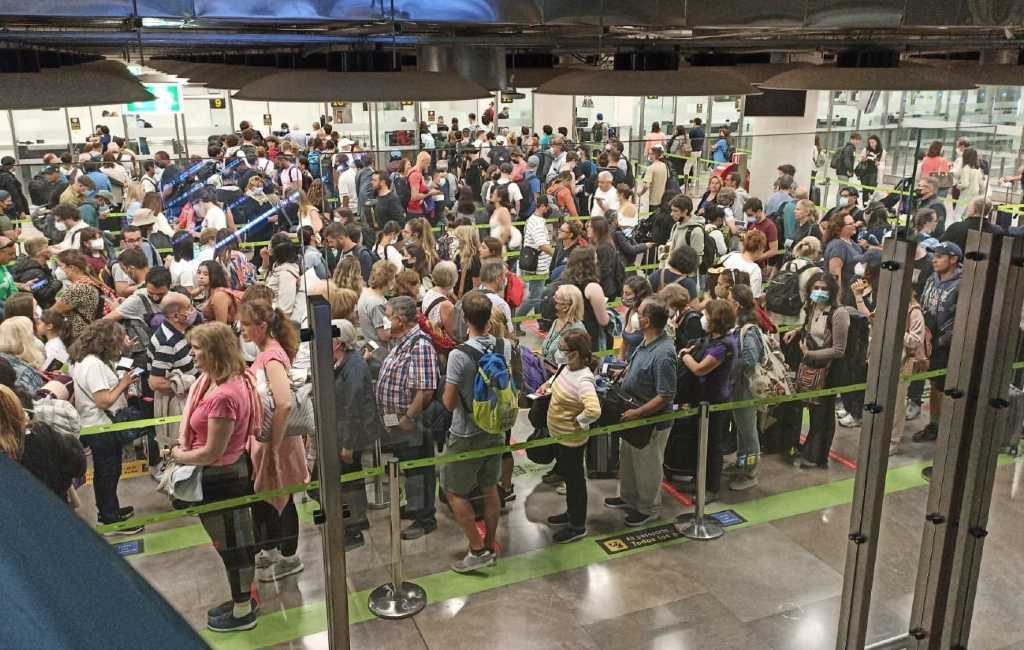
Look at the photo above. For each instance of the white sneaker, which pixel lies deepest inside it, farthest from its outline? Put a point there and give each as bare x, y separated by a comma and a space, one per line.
848, 421
913, 410
288, 566
266, 559
473, 562
841, 412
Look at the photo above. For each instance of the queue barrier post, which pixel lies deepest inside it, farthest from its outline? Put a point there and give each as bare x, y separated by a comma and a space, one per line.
380, 499
399, 598
695, 525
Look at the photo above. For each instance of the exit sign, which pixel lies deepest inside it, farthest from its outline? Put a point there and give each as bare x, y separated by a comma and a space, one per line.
168, 100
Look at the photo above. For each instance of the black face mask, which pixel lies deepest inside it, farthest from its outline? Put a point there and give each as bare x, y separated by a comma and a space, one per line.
408, 263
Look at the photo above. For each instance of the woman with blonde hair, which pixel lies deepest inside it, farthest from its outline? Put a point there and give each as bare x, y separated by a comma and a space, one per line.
222, 414
439, 302
309, 215
348, 274
152, 201
418, 230
18, 339
277, 460
806, 254
13, 422
343, 305
373, 323
569, 309
467, 259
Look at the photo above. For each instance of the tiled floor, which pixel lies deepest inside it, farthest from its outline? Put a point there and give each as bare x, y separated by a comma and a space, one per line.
775, 584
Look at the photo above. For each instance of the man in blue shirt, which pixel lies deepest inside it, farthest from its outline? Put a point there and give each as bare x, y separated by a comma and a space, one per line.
102, 181
650, 378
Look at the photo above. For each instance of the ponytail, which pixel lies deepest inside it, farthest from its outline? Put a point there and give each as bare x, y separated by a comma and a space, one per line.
284, 332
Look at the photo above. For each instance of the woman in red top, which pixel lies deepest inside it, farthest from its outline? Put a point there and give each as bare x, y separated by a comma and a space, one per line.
560, 191
222, 413
933, 162
278, 460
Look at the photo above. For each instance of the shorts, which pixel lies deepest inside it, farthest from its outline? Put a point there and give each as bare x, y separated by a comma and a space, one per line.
462, 477
939, 361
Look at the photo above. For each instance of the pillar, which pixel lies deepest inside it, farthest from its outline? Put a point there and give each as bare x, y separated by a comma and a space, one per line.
778, 140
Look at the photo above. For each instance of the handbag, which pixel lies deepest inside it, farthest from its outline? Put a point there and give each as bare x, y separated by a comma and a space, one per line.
300, 419
810, 378
617, 402
538, 413
528, 259
183, 483
130, 413
544, 455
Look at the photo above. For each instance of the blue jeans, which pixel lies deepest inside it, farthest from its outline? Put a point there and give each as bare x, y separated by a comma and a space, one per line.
420, 484
748, 447
534, 292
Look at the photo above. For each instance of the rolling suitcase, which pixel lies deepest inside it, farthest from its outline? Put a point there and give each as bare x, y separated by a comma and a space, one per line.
603, 456
1010, 443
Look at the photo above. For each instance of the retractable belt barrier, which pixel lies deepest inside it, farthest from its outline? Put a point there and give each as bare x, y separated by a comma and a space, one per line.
469, 455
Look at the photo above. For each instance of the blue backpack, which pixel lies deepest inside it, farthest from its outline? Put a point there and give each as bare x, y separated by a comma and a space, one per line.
495, 404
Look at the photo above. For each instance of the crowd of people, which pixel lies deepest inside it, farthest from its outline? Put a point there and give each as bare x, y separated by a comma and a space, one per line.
133, 291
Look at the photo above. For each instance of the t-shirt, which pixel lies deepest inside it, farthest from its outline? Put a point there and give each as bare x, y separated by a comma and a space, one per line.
7, 286
138, 306
229, 401
768, 229
55, 351
611, 202
535, 236
416, 185
499, 302
738, 262
652, 372
464, 285
462, 373
716, 383
370, 309
655, 177
169, 350
846, 251
515, 195
183, 273
91, 375
214, 218
388, 208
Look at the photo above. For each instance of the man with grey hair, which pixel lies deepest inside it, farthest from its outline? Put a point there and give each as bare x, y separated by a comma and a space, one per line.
405, 387
171, 368
493, 279
928, 197
606, 197
558, 157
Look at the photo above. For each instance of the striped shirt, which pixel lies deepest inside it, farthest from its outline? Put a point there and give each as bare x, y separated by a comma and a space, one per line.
574, 405
535, 236
169, 350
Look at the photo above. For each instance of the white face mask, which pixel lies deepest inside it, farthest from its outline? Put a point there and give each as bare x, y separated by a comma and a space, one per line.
37, 312
386, 324
859, 268
96, 244
704, 322
249, 349
59, 226
561, 358
60, 275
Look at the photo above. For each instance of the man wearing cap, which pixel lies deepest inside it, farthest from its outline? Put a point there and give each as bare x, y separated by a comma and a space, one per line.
938, 301
7, 227
530, 175
9, 182
652, 186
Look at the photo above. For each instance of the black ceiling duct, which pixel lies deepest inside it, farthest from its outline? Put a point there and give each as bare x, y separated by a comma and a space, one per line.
28, 60
728, 58
519, 60
867, 59
647, 60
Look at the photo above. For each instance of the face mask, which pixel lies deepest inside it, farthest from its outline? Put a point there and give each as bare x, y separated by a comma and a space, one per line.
386, 324
629, 302
561, 358
249, 349
96, 244
858, 269
819, 296
60, 227
704, 322
37, 312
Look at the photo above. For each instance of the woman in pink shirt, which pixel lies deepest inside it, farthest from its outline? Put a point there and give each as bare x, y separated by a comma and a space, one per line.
278, 460
933, 162
221, 414
653, 138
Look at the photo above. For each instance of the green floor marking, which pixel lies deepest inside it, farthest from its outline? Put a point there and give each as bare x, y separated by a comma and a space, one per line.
288, 625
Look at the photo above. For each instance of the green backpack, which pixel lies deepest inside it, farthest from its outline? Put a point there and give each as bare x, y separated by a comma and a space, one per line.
495, 404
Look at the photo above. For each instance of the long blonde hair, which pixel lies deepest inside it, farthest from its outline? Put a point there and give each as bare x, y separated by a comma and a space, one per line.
420, 229
18, 339
469, 243
13, 421
221, 349
134, 192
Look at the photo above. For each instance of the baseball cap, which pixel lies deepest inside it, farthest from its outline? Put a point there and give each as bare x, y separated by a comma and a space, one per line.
106, 195
346, 332
947, 248
4, 195
533, 161
7, 161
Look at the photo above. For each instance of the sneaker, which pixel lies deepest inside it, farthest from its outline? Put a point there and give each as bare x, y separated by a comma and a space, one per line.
913, 410
227, 622
124, 532
561, 489
849, 421
741, 482
284, 567
559, 520
354, 540
841, 412
125, 513
732, 469
552, 479
228, 607
927, 434
635, 518
568, 534
266, 559
418, 529
803, 463
615, 502
926, 473
473, 562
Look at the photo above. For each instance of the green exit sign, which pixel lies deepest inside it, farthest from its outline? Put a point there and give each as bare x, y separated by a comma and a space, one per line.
168, 100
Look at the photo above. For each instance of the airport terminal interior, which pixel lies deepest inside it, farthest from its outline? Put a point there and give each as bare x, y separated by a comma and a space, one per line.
512, 324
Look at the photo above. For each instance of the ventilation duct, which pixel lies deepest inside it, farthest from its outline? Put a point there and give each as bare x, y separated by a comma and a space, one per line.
993, 68
322, 86
88, 84
868, 70
483, 65
529, 70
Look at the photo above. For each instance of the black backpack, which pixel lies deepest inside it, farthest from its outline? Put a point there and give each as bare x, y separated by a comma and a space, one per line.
782, 294
710, 258
529, 202
402, 189
630, 179
777, 218
855, 358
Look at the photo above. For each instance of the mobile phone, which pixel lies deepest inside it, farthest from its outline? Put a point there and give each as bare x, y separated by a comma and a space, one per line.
125, 363
391, 420
38, 284
137, 371
373, 345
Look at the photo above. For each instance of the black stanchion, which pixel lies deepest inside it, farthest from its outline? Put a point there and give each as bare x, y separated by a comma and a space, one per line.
695, 525
398, 598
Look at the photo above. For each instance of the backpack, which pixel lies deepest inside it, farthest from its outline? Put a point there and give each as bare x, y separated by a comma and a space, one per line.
533, 371
770, 377
495, 406
777, 218
782, 293
443, 344
401, 188
241, 272
855, 358
710, 257
837, 159
630, 179
500, 155
515, 291
444, 246
529, 202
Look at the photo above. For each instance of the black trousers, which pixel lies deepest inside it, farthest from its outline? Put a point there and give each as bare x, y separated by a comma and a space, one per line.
106, 472
570, 465
231, 530
273, 530
821, 431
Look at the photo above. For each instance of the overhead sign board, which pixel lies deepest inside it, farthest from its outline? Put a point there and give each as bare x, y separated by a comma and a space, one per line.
168, 100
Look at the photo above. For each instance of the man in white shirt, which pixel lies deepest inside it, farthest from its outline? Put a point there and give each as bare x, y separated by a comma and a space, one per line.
347, 181
606, 197
515, 195
536, 235
558, 154
290, 176
212, 214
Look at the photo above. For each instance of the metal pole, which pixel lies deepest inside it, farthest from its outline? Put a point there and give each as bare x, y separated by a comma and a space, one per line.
231, 110
14, 136
67, 125
177, 136
329, 463
184, 134
695, 525
398, 598
898, 642
380, 499
880, 412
